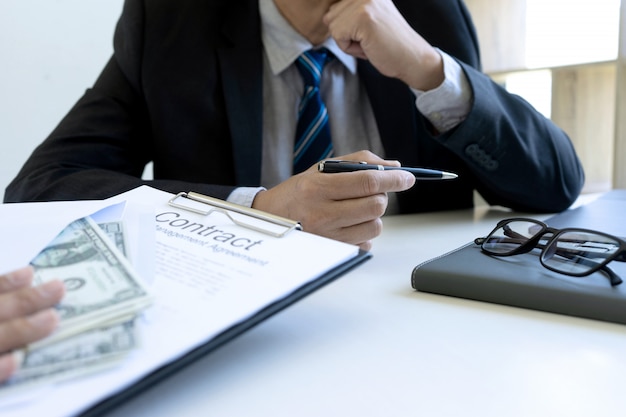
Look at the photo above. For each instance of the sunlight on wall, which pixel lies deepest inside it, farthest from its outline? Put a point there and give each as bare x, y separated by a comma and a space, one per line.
560, 33
565, 32
535, 87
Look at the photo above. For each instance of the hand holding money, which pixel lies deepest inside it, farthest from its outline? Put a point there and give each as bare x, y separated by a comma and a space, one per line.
103, 295
25, 314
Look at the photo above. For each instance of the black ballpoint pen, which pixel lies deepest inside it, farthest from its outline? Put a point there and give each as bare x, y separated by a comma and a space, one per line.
332, 166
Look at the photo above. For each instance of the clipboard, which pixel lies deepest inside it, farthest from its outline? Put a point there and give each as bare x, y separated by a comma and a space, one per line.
256, 219
207, 210
166, 370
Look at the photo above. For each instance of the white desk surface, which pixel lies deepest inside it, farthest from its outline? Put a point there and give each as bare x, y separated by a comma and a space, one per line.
369, 345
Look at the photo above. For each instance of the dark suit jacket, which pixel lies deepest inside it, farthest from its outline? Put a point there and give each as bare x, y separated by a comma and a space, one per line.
184, 89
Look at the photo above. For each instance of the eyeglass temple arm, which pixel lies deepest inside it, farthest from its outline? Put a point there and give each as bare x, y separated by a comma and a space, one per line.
613, 277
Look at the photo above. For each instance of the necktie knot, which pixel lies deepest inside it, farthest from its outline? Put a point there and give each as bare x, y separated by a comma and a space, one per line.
311, 64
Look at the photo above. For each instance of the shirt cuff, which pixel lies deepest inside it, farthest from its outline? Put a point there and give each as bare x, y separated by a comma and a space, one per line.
244, 196
449, 104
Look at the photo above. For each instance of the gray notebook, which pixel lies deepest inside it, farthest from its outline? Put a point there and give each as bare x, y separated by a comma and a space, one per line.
522, 281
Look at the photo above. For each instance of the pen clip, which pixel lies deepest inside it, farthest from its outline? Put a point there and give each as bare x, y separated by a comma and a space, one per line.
342, 161
320, 164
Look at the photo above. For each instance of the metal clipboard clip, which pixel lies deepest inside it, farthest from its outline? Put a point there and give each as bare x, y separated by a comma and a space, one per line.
257, 220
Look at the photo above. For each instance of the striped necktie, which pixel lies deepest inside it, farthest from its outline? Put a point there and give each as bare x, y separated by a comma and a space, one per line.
312, 131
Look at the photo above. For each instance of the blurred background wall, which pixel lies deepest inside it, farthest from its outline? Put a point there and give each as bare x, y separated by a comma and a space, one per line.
50, 52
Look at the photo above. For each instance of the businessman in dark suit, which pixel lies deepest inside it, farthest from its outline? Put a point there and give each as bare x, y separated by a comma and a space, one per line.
208, 91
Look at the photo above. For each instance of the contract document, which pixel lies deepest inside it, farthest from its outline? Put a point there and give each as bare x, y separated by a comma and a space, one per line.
211, 276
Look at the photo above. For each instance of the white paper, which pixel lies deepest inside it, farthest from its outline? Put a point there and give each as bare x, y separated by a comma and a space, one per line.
209, 275
28, 227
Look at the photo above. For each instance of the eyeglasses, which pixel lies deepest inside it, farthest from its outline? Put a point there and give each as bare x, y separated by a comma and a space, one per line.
571, 251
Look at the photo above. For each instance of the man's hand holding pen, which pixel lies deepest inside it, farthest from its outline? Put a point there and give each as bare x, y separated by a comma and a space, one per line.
344, 207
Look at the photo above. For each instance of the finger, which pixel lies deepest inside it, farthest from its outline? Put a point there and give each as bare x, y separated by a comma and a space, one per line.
354, 49
360, 234
8, 365
366, 246
357, 184
352, 221
20, 332
348, 23
334, 11
29, 300
13, 280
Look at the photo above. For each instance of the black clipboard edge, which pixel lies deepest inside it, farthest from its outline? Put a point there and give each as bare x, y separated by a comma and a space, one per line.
170, 368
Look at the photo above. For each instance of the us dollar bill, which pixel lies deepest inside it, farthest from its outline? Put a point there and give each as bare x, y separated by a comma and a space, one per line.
100, 283
115, 232
82, 354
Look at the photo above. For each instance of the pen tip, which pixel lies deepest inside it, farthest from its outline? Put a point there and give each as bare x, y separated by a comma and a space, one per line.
449, 176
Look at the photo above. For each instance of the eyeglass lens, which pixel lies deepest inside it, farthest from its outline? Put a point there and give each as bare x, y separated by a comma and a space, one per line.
578, 252
510, 236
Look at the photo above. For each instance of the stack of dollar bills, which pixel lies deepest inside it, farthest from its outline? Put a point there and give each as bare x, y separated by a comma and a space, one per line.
102, 301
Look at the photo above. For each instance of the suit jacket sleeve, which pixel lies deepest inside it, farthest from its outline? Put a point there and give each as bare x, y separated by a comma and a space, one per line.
517, 157
505, 149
